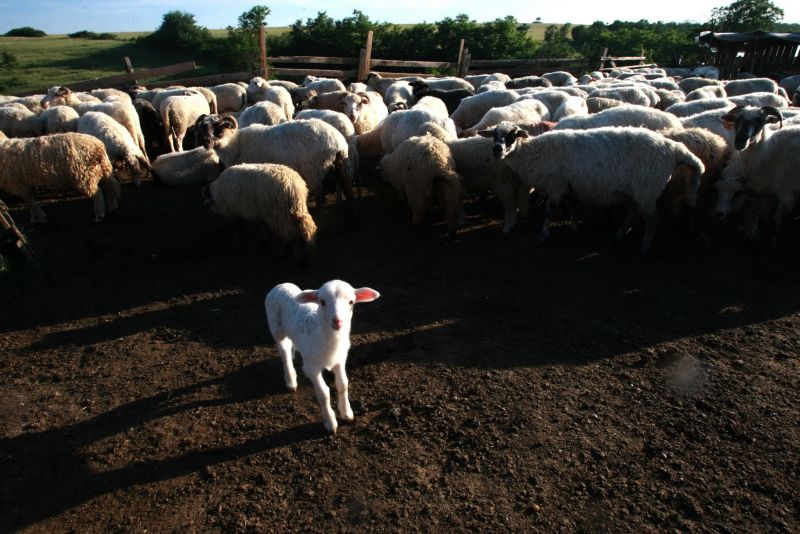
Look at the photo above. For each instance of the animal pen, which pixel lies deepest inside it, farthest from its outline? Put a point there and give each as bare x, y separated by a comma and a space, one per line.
759, 53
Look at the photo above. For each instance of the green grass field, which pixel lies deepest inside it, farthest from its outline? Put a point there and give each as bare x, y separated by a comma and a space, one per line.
41, 62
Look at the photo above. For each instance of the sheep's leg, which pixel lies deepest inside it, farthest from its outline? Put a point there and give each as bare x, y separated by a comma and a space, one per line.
179, 141
549, 210
345, 411
37, 214
112, 192
289, 374
625, 227
99, 205
523, 200
651, 222
779, 218
507, 196
324, 398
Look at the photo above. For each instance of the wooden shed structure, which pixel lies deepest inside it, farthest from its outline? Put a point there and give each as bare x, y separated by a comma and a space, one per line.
760, 53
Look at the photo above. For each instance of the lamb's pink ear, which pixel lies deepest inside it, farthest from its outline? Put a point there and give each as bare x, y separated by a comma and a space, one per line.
307, 297
365, 294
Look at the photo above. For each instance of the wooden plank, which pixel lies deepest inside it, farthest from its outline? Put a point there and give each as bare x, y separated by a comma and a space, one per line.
460, 57
365, 59
403, 74
516, 62
208, 81
326, 73
401, 63
314, 59
128, 65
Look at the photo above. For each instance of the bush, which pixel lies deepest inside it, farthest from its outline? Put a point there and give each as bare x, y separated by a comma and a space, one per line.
92, 35
25, 31
179, 30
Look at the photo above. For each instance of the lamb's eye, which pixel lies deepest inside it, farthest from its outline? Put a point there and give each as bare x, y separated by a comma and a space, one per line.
322, 303
351, 303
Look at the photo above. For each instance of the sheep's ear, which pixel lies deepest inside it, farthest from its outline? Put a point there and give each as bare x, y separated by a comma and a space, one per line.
486, 133
365, 294
307, 297
364, 98
521, 134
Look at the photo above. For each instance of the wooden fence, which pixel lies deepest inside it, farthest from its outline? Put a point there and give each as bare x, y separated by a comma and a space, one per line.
345, 68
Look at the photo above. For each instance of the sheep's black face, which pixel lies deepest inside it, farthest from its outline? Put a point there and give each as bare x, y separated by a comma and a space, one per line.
504, 136
748, 123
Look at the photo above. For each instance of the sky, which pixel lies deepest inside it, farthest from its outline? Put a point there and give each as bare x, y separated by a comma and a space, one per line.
67, 16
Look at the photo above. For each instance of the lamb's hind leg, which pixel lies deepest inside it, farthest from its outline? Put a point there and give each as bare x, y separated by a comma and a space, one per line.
37, 214
345, 411
289, 374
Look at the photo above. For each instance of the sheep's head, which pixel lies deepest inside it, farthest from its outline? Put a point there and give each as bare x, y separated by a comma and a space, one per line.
350, 104
336, 300
302, 98
748, 123
210, 129
397, 106
504, 135
419, 88
56, 96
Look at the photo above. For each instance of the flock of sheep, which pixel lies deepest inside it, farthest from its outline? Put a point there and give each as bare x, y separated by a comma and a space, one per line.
650, 140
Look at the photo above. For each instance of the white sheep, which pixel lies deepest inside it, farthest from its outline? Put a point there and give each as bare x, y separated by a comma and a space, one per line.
59, 119
68, 161
398, 127
108, 93
277, 95
355, 107
18, 121
416, 168
178, 114
524, 112
751, 85
268, 194
264, 112
575, 165
627, 115
316, 323
704, 93
311, 147
323, 85
770, 159
560, 78
128, 160
344, 126
687, 109
690, 84
196, 166
398, 96
231, 97
473, 108
629, 94
596, 104
433, 105
760, 100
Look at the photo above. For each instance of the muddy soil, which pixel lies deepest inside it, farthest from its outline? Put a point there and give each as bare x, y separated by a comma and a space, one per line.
498, 384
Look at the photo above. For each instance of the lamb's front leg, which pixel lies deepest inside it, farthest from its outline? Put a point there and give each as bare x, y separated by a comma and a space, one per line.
324, 398
345, 412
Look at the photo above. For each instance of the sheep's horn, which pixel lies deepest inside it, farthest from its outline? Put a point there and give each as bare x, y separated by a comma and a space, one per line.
229, 121
769, 110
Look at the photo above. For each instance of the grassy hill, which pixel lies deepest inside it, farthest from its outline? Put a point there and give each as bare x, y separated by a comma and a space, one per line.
38, 62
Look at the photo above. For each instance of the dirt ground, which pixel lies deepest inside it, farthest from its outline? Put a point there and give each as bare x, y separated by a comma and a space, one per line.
498, 384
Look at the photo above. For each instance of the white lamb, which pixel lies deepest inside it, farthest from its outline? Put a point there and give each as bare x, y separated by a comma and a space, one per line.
263, 112
627, 115
398, 96
231, 97
433, 105
398, 127
473, 108
128, 160
524, 113
59, 119
178, 114
316, 323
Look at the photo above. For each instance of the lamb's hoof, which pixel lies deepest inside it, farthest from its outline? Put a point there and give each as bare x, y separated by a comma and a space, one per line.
331, 426
348, 416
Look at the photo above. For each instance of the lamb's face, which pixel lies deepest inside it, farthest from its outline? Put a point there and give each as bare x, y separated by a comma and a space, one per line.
351, 105
56, 96
336, 300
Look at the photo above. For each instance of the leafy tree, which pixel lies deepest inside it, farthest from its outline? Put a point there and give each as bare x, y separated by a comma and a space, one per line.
557, 43
240, 48
25, 31
746, 15
179, 30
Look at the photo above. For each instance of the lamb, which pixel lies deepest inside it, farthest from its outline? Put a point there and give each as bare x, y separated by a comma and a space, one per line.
210, 96
415, 168
596, 104
548, 164
628, 94
231, 97
104, 94
521, 113
316, 323
128, 161
571, 107
311, 147
473, 108
264, 112
268, 194
196, 166
770, 160
18, 121
275, 94
178, 114
760, 100
59, 119
398, 127
551, 98
344, 126
355, 107
627, 115
70, 161
688, 85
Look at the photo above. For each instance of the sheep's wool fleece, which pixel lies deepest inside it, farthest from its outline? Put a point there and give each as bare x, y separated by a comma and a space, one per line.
60, 161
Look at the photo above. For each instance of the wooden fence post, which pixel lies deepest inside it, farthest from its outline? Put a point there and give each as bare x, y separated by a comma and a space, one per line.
463, 67
128, 66
364, 59
460, 58
262, 45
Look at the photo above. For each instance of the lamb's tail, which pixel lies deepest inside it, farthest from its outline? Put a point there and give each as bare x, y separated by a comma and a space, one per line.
685, 157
